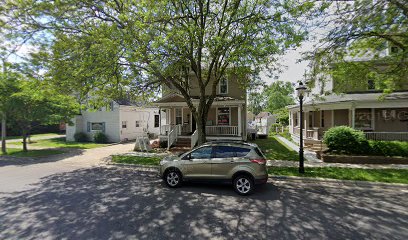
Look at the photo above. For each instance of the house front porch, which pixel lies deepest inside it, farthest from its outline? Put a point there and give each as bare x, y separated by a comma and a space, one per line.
378, 123
226, 120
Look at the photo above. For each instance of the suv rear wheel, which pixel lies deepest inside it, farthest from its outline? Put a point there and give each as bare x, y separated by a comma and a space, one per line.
172, 178
243, 185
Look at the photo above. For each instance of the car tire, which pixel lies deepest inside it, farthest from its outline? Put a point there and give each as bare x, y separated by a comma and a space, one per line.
173, 178
243, 185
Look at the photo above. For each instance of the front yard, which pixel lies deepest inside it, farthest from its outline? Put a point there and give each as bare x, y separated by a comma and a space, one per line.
61, 143
357, 174
140, 160
274, 149
16, 152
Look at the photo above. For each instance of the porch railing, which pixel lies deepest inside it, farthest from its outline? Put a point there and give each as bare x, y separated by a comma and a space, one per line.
307, 134
194, 139
165, 129
387, 136
173, 134
222, 130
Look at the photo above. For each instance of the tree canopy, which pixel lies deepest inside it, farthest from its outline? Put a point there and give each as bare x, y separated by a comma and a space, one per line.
111, 47
368, 35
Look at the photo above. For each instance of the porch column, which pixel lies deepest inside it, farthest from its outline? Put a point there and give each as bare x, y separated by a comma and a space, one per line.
373, 119
332, 118
239, 121
353, 117
160, 121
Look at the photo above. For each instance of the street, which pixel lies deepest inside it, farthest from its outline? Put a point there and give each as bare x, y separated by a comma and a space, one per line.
110, 202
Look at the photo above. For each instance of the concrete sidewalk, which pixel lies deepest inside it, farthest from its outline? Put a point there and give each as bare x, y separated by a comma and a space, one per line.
309, 155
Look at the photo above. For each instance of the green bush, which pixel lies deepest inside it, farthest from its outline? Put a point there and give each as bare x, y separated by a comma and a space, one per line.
80, 137
100, 137
393, 148
347, 140
163, 144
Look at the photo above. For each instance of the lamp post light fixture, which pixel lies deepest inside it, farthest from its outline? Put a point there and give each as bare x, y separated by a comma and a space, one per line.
301, 91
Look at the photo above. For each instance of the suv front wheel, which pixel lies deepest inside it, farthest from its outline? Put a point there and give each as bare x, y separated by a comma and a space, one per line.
243, 185
173, 178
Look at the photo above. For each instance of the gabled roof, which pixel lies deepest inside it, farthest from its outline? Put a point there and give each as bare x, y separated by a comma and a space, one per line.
172, 97
263, 114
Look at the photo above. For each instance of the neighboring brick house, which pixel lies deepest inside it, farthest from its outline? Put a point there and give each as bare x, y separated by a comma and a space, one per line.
226, 117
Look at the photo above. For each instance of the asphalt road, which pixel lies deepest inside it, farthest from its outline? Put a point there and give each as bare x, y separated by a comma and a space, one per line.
124, 203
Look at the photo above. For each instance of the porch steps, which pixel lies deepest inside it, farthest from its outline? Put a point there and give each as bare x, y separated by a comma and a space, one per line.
183, 142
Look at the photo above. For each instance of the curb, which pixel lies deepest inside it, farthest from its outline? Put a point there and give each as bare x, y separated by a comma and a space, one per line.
339, 181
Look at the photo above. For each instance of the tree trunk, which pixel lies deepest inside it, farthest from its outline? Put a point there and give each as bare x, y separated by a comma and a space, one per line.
3, 134
25, 141
201, 129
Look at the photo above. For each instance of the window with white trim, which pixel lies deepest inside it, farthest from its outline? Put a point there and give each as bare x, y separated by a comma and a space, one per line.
97, 126
124, 124
223, 86
137, 123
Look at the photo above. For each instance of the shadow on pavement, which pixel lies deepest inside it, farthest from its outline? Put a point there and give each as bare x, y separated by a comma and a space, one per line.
120, 203
23, 161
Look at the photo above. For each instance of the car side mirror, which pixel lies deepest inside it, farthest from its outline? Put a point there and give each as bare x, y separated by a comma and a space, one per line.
186, 157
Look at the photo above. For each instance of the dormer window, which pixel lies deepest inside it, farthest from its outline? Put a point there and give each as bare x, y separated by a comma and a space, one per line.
223, 86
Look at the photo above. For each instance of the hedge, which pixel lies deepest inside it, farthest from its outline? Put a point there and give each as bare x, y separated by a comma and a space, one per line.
346, 140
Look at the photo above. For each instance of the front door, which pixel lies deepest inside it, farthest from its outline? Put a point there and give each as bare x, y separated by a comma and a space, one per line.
198, 165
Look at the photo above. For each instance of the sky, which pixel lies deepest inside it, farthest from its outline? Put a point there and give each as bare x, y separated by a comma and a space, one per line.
292, 71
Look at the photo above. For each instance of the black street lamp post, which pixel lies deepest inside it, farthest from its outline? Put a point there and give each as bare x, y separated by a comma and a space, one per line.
301, 89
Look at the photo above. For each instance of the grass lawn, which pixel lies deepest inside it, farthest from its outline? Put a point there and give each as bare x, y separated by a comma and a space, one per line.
274, 149
372, 175
61, 143
15, 152
33, 136
136, 160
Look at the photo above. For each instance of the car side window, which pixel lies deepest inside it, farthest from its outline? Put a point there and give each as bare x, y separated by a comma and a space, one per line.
224, 152
201, 153
241, 152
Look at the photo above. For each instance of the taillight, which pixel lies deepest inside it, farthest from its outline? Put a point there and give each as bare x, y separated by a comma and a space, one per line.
259, 161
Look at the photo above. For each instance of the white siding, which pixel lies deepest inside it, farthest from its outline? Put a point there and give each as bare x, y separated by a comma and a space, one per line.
145, 116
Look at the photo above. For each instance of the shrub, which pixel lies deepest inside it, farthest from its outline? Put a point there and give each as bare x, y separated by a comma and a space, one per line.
393, 148
163, 144
344, 139
100, 137
272, 130
80, 137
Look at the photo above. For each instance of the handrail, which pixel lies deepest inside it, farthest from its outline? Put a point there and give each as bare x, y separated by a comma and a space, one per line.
173, 134
194, 138
171, 138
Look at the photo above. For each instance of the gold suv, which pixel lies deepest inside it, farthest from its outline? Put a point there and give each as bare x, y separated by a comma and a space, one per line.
239, 163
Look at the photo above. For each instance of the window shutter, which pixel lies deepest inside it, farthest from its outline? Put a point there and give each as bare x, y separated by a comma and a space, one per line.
103, 127
88, 126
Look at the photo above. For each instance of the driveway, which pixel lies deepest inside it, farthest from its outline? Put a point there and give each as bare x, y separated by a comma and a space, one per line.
109, 202
19, 174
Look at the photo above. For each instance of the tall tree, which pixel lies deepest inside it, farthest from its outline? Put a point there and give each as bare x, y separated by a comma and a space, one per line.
100, 45
365, 29
278, 95
31, 103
